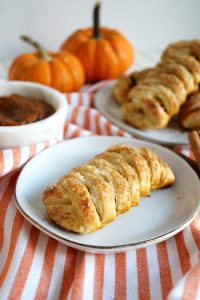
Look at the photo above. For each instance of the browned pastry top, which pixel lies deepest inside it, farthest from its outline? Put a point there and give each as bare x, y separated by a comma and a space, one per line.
149, 98
95, 193
20, 110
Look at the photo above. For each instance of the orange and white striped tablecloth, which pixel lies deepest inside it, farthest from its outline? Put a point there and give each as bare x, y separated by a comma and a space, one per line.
35, 266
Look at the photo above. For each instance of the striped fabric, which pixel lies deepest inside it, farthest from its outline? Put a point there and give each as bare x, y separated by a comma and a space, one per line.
35, 266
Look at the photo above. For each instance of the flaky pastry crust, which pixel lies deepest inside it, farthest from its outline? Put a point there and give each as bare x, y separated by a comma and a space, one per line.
151, 97
93, 194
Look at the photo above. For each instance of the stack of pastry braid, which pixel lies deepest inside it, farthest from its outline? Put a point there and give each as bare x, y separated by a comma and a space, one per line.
93, 194
149, 98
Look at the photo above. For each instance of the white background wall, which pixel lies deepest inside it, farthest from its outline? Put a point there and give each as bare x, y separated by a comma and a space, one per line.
147, 23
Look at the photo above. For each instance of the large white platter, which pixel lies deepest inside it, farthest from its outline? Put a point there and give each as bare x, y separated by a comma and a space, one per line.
157, 217
173, 134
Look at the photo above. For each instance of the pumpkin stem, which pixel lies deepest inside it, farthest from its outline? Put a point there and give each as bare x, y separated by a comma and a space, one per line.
96, 27
42, 51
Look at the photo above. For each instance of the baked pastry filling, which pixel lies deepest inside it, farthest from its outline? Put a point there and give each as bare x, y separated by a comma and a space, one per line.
20, 110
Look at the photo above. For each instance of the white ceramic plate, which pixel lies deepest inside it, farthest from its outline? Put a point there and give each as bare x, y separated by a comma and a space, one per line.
158, 217
173, 134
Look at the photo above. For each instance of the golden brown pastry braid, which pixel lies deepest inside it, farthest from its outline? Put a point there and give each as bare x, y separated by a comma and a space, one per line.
93, 194
151, 97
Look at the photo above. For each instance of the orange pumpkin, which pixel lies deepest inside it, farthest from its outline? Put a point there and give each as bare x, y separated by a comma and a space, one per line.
61, 70
105, 53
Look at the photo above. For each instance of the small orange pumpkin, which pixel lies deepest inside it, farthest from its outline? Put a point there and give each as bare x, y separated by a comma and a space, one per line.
105, 53
61, 70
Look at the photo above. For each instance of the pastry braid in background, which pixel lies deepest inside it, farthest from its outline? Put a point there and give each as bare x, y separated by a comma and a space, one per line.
93, 194
151, 97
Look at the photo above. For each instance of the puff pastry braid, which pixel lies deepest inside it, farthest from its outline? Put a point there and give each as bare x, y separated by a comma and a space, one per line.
93, 194
149, 98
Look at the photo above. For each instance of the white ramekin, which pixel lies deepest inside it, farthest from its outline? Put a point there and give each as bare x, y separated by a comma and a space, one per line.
15, 136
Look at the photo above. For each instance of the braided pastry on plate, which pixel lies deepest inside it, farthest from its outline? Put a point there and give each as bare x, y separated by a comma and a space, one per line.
93, 194
151, 97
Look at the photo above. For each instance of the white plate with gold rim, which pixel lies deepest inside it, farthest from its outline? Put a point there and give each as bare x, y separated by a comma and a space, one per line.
157, 217
172, 135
